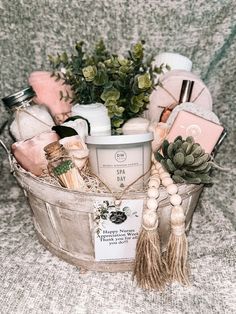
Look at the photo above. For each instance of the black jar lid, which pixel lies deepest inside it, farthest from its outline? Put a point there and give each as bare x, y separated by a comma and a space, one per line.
16, 98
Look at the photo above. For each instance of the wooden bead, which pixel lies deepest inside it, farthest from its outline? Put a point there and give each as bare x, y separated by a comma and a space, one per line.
175, 199
161, 170
154, 183
152, 204
164, 175
158, 165
154, 172
167, 181
153, 192
150, 219
172, 189
156, 177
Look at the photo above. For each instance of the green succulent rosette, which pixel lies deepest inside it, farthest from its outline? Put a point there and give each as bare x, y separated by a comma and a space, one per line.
186, 161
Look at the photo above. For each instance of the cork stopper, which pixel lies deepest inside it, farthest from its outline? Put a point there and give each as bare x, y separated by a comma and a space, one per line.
54, 149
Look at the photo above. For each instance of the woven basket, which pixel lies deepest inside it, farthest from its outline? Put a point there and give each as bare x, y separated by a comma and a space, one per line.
64, 219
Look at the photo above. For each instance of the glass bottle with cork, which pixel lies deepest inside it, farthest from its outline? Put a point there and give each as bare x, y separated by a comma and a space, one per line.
61, 167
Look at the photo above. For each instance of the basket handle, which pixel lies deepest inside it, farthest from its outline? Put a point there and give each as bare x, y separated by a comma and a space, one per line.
9, 155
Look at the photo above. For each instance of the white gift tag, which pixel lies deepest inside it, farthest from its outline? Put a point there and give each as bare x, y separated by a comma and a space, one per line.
116, 229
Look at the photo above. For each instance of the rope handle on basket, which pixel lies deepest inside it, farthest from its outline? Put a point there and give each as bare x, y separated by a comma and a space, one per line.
9, 155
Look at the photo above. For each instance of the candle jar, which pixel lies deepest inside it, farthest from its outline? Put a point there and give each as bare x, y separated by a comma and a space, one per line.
27, 119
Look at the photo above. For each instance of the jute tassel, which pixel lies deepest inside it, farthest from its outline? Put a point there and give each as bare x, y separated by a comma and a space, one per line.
148, 269
177, 249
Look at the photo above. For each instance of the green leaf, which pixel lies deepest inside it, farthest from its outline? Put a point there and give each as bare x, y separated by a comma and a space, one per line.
164, 147
137, 51
202, 167
89, 73
158, 156
178, 159
110, 94
117, 122
200, 160
178, 138
170, 150
134, 108
189, 148
144, 81
205, 178
185, 146
189, 160
171, 166
177, 144
193, 180
190, 140
179, 172
64, 131
197, 150
100, 79
178, 179
165, 165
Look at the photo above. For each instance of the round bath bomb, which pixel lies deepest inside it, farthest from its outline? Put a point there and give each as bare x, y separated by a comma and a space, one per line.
136, 126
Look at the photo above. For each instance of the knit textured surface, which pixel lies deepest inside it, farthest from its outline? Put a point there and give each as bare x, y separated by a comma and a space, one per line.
34, 281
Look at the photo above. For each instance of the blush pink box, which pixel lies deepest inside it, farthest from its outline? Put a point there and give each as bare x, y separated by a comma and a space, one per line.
204, 132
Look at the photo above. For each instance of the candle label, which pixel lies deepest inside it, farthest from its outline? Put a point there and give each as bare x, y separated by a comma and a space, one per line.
122, 165
116, 229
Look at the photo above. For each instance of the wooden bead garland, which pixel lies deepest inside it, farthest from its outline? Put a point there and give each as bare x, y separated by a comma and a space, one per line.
148, 251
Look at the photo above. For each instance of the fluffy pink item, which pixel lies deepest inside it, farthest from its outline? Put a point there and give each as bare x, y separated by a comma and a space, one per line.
30, 153
48, 94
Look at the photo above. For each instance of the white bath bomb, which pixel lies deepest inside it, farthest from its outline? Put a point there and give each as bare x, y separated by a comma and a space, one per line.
136, 126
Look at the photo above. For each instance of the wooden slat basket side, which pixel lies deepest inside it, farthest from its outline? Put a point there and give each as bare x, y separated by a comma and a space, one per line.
64, 219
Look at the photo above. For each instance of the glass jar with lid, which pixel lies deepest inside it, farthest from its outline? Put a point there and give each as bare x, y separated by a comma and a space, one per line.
27, 119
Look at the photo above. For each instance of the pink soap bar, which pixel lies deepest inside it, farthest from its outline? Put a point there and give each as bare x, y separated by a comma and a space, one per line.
204, 132
48, 94
169, 94
30, 154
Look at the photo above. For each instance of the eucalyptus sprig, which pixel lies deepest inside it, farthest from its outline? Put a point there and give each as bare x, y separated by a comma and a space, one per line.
122, 82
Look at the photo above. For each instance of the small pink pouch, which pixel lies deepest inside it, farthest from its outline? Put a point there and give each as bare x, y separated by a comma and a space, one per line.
204, 132
48, 94
30, 154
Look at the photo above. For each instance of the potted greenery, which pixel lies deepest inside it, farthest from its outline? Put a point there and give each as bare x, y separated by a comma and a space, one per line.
123, 83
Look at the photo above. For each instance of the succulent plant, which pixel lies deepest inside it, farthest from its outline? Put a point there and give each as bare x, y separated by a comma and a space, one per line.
185, 160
